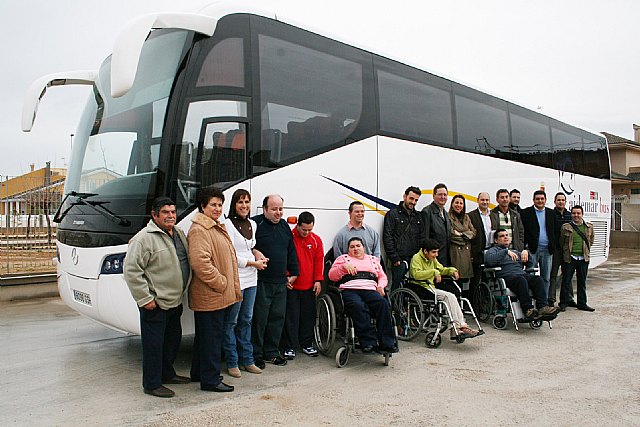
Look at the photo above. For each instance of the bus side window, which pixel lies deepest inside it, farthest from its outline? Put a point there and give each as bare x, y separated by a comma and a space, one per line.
223, 154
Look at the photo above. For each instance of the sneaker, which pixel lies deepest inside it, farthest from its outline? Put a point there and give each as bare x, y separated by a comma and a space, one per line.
310, 351
278, 361
531, 313
289, 354
547, 311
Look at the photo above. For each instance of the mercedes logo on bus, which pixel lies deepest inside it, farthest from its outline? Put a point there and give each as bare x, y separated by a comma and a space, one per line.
74, 256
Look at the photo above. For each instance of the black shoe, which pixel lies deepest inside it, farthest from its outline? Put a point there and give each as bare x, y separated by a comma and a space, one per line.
178, 379
572, 304
385, 349
585, 308
161, 391
277, 360
259, 363
220, 388
197, 379
367, 348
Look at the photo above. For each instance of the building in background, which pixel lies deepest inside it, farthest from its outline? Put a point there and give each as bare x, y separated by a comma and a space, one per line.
33, 198
625, 181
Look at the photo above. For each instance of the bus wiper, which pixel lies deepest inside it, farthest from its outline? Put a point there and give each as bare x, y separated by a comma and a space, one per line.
59, 215
117, 219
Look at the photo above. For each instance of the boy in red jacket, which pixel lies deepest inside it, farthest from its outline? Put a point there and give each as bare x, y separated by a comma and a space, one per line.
301, 293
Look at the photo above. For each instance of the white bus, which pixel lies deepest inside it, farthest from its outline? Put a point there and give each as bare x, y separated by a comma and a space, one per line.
244, 100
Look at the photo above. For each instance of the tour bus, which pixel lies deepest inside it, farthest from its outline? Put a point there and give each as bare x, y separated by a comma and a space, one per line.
245, 100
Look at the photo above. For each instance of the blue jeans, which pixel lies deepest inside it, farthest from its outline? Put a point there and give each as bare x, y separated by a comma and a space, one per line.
544, 260
161, 333
237, 330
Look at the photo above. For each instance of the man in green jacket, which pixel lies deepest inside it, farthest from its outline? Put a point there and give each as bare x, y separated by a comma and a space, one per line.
576, 239
157, 273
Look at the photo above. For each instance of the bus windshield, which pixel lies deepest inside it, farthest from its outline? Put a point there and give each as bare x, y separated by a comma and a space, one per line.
116, 150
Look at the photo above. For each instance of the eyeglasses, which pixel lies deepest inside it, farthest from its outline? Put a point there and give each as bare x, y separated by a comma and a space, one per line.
506, 218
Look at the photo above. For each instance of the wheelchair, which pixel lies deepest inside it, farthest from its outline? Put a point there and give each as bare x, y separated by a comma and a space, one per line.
503, 301
413, 314
332, 324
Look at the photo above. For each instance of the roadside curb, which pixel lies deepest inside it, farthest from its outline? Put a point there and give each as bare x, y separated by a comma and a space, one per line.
21, 287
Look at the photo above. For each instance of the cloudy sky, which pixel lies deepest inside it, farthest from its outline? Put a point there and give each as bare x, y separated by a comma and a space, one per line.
574, 60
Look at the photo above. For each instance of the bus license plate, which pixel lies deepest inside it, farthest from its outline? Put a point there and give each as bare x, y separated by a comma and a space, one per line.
82, 297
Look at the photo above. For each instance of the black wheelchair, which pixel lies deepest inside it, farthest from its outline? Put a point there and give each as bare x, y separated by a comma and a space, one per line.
413, 314
332, 324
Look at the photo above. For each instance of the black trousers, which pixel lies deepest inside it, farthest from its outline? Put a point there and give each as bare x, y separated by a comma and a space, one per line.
160, 333
300, 318
207, 347
520, 286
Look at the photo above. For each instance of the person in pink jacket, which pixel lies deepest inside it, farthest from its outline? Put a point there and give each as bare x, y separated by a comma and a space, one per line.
362, 281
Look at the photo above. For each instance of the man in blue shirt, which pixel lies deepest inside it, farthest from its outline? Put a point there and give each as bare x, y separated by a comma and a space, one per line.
539, 236
356, 228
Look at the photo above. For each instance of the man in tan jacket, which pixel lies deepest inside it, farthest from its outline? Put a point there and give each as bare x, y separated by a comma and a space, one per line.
157, 272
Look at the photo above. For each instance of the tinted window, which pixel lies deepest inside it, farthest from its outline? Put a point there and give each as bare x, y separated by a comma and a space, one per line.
414, 109
224, 65
567, 148
482, 128
309, 101
222, 160
596, 156
530, 139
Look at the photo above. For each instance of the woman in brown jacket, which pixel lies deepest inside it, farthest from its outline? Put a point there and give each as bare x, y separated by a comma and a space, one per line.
462, 232
215, 287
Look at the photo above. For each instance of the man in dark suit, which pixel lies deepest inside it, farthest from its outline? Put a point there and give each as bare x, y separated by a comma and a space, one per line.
539, 224
437, 223
481, 220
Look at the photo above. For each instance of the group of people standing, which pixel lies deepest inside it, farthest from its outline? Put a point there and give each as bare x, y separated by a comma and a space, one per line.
248, 279
253, 281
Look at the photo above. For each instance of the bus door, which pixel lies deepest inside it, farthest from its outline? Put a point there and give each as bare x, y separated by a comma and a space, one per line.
213, 150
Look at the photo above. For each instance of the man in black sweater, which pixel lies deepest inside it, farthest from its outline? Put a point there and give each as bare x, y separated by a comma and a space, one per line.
275, 241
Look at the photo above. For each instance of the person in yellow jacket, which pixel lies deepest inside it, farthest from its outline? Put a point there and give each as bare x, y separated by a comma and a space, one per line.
427, 271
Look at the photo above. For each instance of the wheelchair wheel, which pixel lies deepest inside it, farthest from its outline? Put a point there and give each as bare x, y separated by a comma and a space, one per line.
432, 319
325, 329
499, 322
483, 302
429, 340
535, 324
342, 356
408, 312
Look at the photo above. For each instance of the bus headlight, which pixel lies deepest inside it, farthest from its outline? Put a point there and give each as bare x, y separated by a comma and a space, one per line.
112, 264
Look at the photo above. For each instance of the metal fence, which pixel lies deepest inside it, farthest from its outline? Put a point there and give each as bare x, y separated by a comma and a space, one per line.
27, 231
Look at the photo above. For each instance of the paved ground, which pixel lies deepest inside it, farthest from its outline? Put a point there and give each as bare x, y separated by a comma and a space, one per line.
61, 369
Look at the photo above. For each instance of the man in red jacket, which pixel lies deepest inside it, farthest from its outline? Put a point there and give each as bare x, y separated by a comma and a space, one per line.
301, 293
